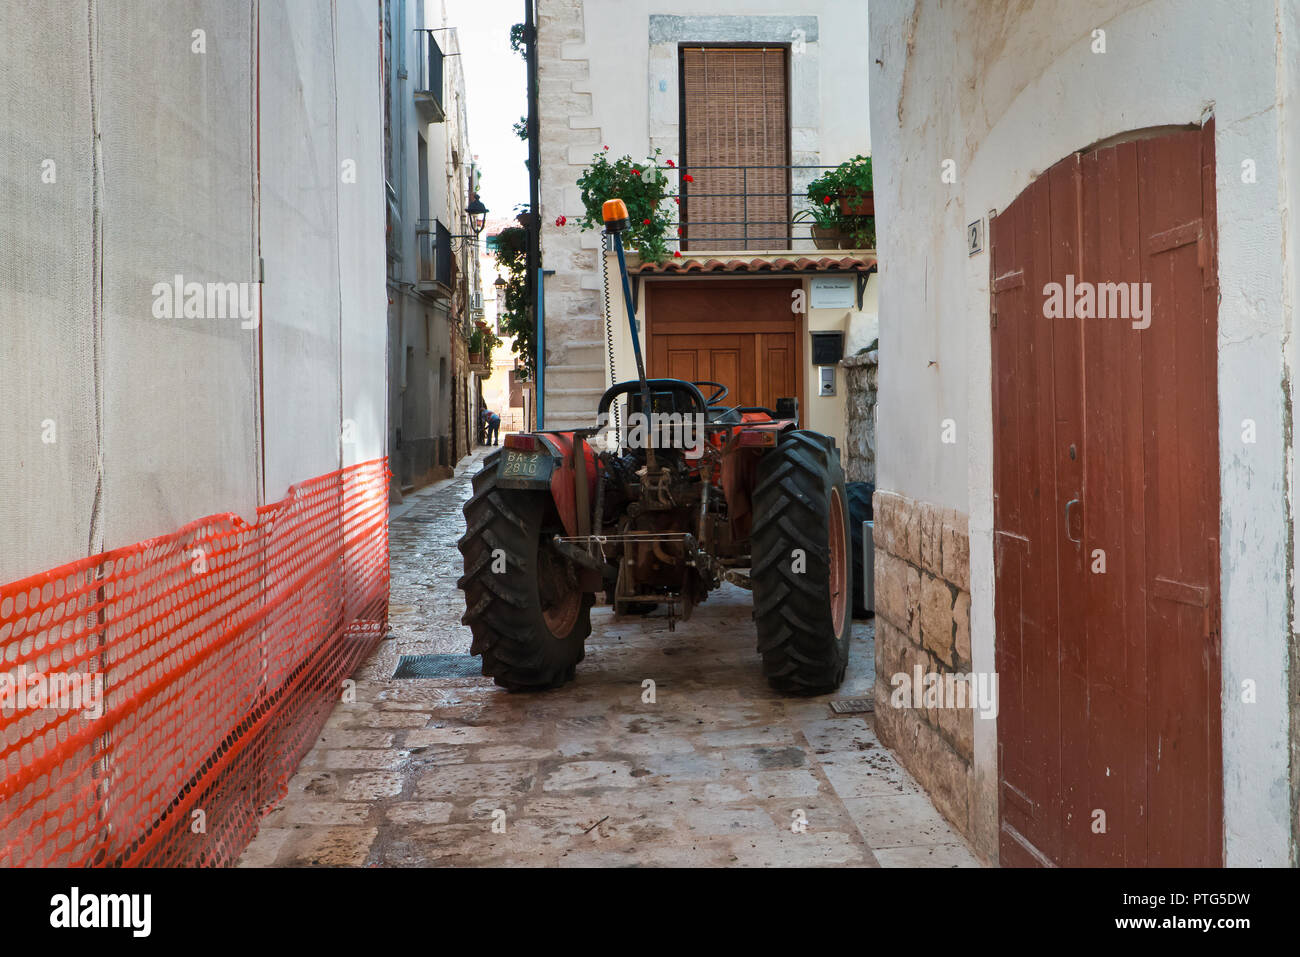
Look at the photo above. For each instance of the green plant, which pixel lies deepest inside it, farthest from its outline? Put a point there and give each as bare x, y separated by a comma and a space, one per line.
643, 186
824, 216
849, 179
484, 340
513, 314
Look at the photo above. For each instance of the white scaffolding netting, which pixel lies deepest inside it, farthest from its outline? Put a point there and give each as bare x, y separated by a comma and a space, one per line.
180, 398
120, 421
48, 428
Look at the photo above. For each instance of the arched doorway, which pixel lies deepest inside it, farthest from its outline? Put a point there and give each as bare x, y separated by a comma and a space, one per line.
1104, 296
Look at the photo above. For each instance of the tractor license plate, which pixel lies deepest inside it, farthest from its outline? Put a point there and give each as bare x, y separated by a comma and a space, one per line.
525, 469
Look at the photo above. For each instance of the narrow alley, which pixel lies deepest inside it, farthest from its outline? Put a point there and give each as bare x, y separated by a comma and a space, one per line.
717, 769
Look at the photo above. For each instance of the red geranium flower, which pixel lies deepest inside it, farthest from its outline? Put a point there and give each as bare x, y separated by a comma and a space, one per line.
671, 163
645, 222
677, 201
560, 220
606, 147
636, 171
689, 178
677, 254
826, 199
679, 230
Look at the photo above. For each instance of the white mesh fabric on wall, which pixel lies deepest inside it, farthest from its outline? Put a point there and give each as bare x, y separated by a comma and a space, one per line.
363, 290
300, 182
47, 293
180, 435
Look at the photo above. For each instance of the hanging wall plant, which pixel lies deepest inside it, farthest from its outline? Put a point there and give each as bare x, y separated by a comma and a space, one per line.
644, 187
513, 313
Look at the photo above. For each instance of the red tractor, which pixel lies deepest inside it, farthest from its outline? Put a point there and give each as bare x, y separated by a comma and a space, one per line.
691, 492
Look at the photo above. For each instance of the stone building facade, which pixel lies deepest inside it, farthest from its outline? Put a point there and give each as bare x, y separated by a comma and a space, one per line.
631, 101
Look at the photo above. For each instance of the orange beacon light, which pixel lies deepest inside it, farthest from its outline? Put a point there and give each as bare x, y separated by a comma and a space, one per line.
614, 213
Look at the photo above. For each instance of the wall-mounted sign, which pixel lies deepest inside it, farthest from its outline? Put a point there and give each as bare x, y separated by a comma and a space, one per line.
975, 237
832, 292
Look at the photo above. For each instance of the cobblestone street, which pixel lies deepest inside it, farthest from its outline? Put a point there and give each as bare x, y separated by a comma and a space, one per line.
718, 770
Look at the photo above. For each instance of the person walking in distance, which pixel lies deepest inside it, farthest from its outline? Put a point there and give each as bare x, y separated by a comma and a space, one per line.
494, 428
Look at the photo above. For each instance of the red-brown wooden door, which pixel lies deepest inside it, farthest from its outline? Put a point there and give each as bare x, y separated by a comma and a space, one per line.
1106, 508
741, 333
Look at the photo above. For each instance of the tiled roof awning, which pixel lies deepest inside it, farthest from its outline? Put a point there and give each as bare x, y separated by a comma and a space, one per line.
802, 264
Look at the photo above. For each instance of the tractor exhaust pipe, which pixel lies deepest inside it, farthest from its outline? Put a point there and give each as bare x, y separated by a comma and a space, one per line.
614, 213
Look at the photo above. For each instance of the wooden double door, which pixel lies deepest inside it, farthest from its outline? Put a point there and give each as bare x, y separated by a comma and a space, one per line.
739, 332
1106, 510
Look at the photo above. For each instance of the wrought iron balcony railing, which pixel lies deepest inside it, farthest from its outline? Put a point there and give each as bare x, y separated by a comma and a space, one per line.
752, 208
428, 80
433, 255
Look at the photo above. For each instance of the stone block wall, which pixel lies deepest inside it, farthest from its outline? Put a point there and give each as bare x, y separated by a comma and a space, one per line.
923, 618
861, 372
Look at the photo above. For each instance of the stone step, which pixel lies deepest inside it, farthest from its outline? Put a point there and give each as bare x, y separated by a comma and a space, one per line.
561, 421
580, 401
587, 376
582, 358
551, 391
569, 367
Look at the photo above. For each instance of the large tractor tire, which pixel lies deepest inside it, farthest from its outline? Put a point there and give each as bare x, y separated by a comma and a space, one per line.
528, 616
801, 565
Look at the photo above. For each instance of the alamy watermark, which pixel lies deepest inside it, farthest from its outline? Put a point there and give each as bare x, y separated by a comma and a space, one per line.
1098, 300
670, 430
24, 690
929, 689
179, 299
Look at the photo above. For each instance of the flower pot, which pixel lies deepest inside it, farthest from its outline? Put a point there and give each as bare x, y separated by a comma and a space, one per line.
824, 238
858, 204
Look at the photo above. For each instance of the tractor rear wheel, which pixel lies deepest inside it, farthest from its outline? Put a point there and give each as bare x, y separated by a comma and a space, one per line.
801, 565
524, 607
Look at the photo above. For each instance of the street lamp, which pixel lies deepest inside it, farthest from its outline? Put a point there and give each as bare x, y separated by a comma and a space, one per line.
477, 214
477, 219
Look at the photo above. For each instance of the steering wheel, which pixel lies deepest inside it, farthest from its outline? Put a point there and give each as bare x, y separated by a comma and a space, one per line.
718, 395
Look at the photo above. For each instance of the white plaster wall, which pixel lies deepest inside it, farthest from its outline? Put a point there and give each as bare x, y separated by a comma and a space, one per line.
1289, 200
1006, 90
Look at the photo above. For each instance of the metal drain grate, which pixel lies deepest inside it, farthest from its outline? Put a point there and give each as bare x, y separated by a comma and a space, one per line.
852, 705
438, 666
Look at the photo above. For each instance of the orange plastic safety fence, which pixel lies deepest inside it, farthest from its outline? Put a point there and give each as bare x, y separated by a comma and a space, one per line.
154, 700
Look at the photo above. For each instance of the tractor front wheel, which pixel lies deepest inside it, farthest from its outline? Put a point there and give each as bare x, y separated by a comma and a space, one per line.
524, 606
801, 566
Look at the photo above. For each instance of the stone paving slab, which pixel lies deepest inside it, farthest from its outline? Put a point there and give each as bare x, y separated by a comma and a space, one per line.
718, 770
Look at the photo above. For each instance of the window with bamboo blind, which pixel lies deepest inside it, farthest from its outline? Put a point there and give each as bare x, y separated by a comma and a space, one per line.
735, 143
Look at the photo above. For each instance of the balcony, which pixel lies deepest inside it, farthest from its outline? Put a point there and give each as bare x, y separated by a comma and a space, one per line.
757, 208
433, 258
428, 80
